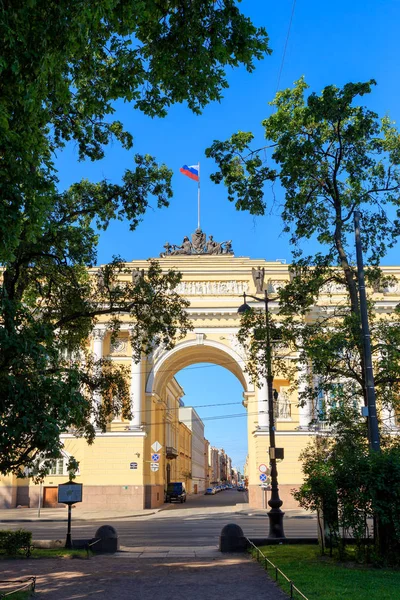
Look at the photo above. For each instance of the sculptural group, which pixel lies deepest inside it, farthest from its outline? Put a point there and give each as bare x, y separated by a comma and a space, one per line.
198, 245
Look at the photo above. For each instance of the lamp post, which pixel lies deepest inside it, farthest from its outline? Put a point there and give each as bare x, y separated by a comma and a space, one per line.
275, 515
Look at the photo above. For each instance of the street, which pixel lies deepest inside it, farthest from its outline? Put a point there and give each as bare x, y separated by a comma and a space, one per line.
198, 522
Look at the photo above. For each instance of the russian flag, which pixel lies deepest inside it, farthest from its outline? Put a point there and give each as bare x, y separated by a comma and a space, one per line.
192, 171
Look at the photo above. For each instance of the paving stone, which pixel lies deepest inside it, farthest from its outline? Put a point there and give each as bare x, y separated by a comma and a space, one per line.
162, 578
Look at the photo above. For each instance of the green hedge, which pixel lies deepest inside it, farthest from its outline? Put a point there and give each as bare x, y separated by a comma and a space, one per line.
12, 541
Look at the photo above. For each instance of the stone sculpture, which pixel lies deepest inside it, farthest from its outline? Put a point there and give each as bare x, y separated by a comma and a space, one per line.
198, 245
258, 278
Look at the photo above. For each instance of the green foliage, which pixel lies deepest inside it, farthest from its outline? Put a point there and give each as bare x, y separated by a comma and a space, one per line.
349, 485
331, 156
63, 65
72, 468
12, 541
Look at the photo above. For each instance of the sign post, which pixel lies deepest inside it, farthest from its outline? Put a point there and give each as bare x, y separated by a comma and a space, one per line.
69, 493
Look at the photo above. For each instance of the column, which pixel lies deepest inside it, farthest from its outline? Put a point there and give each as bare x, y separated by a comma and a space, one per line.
98, 337
262, 395
136, 394
304, 411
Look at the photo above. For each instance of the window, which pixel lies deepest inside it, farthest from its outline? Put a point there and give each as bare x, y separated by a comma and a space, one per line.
58, 467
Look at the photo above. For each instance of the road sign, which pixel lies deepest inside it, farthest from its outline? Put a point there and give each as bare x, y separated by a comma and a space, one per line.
133, 465
155, 457
154, 466
263, 477
263, 468
156, 446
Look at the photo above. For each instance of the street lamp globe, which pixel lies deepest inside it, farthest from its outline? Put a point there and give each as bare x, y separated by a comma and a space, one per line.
244, 307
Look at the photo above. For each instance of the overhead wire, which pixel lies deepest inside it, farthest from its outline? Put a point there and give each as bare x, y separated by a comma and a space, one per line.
286, 45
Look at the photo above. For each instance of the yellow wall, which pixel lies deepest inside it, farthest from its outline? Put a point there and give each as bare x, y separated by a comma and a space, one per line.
214, 286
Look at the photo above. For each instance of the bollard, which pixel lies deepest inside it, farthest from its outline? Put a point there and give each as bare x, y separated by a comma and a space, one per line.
232, 539
107, 540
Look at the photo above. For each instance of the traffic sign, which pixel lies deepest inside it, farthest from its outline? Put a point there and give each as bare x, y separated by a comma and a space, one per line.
154, 466
155, 457
263, 468
133, 465
263, 477
156, 446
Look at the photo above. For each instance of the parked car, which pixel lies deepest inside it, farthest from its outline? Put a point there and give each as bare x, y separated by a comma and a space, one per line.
175, 491
240, 488
210, 492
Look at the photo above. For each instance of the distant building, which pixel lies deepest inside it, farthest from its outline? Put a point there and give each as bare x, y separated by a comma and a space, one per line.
207, 469
191, 419
185, 456
215, 468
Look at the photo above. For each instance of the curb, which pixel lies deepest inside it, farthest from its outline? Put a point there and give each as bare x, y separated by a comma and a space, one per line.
255, 514
38, 520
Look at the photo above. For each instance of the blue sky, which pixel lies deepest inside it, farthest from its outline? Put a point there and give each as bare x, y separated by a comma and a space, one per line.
330, 43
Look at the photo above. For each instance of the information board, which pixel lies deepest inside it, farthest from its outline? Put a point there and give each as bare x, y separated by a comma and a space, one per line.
69, 493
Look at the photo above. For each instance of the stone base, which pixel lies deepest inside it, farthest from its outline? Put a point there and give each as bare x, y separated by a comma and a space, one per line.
258, 497
154, 496
8, 496
119, 497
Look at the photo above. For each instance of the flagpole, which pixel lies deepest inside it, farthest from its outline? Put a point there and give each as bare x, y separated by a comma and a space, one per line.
198, 200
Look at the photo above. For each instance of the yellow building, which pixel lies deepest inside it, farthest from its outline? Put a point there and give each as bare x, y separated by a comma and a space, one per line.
185, 456
116, 470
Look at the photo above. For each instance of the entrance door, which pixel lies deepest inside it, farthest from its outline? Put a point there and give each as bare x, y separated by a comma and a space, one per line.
50, 496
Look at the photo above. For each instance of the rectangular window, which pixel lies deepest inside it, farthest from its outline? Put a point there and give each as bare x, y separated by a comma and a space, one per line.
57, 467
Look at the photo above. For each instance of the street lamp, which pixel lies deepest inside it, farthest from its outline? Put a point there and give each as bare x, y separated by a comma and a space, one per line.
275, 515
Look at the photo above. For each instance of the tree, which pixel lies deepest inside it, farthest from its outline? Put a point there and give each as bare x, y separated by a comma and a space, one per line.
331, 157
63, 65
349, 485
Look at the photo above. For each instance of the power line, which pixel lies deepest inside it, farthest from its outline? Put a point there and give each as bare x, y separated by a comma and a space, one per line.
215, 418
286, 45
203, 405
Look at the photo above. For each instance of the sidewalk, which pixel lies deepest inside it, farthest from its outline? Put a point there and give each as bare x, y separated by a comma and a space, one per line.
200, 578
49, 515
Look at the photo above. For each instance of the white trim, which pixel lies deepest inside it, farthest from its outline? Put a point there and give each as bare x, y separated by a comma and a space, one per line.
69, 436
286, 433
193, 343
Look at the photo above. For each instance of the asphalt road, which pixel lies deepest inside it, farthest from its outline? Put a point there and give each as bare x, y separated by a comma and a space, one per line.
198, 522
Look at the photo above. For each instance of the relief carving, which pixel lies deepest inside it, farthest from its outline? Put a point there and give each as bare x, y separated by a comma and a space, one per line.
118, 347
214, 288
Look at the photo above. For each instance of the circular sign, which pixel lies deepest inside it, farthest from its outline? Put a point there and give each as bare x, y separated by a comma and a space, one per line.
263, 477
263, 468
155, 457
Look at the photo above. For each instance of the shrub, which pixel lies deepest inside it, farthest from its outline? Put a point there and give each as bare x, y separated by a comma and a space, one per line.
12, 541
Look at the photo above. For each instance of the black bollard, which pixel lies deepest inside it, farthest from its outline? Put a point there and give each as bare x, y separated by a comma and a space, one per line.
232, 539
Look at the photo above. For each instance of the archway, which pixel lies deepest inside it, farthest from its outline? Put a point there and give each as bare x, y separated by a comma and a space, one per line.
164, 398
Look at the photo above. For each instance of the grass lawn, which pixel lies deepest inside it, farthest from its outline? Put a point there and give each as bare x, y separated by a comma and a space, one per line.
319, 577
18, 595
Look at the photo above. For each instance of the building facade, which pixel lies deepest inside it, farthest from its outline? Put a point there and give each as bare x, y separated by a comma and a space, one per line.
115, 469
185, 457
189, 416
